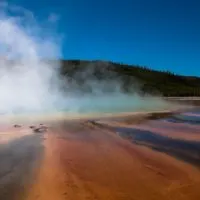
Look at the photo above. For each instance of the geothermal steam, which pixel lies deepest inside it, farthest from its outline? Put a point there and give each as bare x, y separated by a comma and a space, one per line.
29, 83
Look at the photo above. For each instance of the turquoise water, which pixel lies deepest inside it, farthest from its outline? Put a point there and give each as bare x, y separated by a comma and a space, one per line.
102, 104
114, 104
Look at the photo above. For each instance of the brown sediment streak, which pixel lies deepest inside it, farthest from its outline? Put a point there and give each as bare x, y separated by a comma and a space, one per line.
49, 180
84, 162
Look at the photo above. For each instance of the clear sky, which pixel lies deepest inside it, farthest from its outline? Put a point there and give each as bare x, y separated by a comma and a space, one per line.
161, 34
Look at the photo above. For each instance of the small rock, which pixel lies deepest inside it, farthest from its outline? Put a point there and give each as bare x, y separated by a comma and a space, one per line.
17, 126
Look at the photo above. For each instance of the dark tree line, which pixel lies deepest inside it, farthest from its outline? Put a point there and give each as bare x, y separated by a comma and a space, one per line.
151, 81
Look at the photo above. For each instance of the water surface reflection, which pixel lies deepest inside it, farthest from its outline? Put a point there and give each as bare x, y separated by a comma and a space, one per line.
181, 148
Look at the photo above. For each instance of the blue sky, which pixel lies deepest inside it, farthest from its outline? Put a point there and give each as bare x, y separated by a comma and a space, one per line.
161, 34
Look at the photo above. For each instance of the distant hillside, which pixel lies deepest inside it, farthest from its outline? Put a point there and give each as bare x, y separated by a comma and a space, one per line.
130, 77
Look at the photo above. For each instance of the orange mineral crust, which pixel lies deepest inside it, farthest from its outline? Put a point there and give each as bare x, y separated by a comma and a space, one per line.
85, 161
116, 157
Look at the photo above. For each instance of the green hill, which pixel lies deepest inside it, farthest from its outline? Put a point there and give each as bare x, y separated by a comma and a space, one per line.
144, 79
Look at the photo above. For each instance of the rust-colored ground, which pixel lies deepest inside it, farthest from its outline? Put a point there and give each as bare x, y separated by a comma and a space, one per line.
84, 162
126, 158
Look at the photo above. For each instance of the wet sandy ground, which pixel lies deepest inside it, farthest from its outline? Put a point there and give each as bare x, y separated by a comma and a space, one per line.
20, 156
104, 159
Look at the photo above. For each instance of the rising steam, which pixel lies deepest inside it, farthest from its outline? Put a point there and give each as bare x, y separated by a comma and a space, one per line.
30, 83
27, 81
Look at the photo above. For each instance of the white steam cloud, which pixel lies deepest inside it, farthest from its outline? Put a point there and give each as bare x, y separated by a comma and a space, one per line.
29, 83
